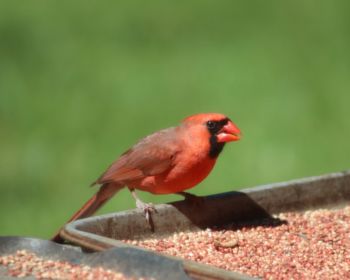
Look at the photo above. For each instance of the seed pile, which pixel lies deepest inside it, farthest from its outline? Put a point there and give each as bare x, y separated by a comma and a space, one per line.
24, 263
308, 245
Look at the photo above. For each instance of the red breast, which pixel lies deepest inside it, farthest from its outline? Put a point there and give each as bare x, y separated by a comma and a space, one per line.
174, 159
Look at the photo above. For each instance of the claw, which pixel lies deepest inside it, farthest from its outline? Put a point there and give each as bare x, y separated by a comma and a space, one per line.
146, 208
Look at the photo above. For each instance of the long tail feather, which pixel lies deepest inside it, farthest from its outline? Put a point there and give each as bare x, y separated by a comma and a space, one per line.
105, 192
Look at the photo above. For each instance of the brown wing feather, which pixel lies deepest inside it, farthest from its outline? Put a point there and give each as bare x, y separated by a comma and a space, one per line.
151, 156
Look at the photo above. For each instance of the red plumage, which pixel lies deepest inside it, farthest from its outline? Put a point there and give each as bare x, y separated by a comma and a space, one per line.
168, 161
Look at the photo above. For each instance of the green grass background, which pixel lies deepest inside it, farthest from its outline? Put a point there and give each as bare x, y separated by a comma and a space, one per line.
81, 81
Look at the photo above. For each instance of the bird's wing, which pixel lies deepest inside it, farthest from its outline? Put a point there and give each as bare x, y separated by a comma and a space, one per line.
152, 155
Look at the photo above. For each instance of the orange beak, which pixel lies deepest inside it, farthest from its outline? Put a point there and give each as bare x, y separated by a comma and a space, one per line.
230, 132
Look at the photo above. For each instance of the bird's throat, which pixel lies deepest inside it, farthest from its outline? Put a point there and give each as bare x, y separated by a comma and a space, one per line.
215, 147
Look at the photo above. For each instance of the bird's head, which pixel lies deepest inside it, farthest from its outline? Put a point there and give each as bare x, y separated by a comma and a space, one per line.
217, 125
219, 129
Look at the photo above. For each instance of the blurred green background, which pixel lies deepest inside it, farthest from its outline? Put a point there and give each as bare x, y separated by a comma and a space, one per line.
81, 81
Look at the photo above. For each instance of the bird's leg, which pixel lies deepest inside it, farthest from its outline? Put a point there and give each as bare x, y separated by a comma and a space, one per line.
147, 208
192, 198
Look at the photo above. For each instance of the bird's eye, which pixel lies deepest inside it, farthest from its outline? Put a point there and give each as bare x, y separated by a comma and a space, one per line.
211, 124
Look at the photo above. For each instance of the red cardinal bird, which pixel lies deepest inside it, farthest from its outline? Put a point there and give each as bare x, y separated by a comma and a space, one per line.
166, 162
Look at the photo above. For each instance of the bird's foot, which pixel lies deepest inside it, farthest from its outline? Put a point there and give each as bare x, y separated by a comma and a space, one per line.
146, 208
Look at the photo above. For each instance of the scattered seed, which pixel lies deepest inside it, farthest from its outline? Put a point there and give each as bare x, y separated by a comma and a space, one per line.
24, 263
308, 245
225, 244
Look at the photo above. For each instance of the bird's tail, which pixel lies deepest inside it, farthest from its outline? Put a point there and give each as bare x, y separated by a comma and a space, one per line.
105, 192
